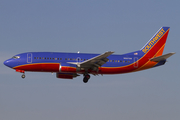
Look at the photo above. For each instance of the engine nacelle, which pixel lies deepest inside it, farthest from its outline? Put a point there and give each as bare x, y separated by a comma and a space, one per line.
64, 75
67, 68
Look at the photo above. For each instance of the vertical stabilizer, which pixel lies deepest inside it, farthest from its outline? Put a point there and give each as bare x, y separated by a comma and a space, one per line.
157, 43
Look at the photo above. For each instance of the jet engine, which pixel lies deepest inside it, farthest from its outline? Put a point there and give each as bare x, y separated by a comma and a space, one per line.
66, 75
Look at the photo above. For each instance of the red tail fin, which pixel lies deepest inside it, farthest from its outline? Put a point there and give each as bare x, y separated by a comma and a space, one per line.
155, 46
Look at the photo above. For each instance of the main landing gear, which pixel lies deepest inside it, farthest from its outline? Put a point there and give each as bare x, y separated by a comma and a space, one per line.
23, 76
86, 78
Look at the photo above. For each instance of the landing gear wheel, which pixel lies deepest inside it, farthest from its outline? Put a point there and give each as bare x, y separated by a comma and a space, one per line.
86, 78
23, 76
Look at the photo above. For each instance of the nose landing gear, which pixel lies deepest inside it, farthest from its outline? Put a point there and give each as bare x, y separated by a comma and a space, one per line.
21, 71
86, 78
23, 76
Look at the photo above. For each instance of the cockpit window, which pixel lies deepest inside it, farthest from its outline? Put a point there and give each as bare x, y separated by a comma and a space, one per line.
16, 57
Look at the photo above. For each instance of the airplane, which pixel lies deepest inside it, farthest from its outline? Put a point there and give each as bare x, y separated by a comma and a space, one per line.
71, 65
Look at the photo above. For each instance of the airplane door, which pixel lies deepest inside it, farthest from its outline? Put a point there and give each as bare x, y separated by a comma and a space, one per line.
78, 59
29, 58
135, 62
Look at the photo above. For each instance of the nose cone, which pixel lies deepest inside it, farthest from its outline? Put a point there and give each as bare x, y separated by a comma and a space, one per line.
6, 63
9, 63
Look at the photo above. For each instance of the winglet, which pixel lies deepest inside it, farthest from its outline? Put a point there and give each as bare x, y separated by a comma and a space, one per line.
162, 57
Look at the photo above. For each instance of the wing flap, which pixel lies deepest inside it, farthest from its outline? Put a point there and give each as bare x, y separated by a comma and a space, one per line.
162, 57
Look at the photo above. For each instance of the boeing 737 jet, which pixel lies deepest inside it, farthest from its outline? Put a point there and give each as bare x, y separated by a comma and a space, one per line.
71, 65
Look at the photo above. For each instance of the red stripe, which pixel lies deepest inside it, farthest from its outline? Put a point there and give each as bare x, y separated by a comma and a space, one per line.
41, 67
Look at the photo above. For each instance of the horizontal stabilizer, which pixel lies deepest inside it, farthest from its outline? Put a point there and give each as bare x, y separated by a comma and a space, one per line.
162, 57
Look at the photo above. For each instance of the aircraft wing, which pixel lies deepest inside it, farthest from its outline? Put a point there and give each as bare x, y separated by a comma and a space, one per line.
94, 62
162, 57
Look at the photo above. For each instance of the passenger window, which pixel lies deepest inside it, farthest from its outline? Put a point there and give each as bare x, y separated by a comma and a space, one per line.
34, 57
39, 57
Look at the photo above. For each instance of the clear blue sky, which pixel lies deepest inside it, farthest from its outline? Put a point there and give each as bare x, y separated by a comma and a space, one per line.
93, 26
